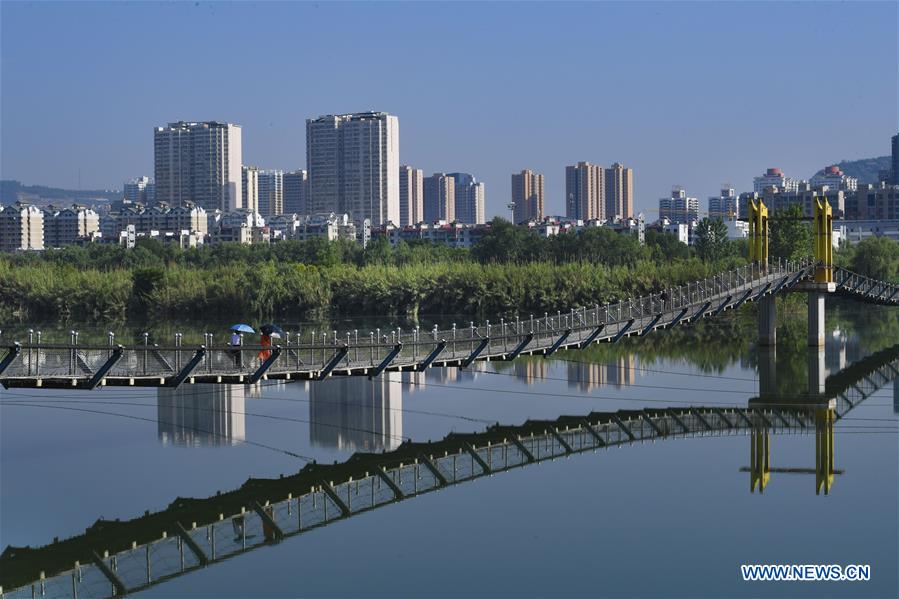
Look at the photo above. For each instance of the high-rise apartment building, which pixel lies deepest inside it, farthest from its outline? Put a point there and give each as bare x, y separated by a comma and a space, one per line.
140, 191
726, 206
250, 188
439, 198
619, 192
679, 208
200, 163
585, 191
353, 165
411, 195
894, 169
296, 189
527, 194
271, 192
774, 177
469, 199
21, 228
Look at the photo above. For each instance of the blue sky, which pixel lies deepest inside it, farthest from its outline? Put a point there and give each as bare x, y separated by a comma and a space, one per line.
685, 93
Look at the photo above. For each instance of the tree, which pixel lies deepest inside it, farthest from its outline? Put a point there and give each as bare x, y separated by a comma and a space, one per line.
711, 240
378, 252
876, 257
664, 247
506, 242
790, 235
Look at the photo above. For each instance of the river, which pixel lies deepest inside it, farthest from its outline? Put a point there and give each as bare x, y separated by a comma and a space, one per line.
675, 517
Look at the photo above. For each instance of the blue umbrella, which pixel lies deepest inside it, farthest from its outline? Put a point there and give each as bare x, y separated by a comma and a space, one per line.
242, 328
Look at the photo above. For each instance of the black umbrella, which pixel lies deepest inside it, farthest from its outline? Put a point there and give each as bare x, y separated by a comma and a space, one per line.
271, 330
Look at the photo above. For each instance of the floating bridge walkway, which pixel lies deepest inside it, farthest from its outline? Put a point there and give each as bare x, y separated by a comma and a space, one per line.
117, 558
82, 366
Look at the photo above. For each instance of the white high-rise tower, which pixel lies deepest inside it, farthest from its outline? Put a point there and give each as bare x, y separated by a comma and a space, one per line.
353, 165
200, 163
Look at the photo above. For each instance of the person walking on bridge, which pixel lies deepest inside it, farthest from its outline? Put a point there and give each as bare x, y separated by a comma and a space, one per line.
265, 340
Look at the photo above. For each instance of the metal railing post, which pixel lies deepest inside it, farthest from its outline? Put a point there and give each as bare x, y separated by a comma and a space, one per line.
74, 337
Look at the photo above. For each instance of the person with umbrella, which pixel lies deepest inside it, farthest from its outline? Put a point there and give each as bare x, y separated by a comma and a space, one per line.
269, 332
237, 331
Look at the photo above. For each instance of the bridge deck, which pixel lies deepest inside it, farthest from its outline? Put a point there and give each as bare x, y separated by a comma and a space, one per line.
84, 366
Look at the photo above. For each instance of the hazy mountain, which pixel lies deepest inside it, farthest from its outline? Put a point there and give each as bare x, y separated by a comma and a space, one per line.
866, 170
11, 191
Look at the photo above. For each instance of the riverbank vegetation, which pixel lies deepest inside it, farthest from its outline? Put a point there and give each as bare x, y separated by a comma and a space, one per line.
290, 289
511, 271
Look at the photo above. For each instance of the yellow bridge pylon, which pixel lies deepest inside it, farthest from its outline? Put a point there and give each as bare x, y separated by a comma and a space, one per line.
823, 240
758, 232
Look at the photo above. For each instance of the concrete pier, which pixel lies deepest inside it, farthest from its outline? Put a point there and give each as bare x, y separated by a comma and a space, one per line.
768, 320
816, 319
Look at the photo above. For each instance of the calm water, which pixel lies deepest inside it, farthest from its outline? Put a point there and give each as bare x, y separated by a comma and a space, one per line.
671, 518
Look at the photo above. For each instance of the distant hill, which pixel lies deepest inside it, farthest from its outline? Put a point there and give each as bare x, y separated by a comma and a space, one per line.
11, 191
866, 170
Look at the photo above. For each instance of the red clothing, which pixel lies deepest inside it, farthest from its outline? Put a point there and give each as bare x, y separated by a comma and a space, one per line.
265, 341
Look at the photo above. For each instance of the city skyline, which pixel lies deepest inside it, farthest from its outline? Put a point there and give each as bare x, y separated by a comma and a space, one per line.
659, 121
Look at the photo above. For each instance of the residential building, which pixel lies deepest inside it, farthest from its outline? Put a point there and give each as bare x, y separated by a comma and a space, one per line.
805, 196
271, 192
854, 231
725, 207
585, 191
894, 169
200, 163
439, 198
353, 165
527, 195
679, 208
455, 235
69, 225
411, 195
774, 177
461, 235
330, 226
140, 190
250, 188
296, 189
21, 228
469, 198
834, 178
873, 202
159, 218
619, 192
284, 226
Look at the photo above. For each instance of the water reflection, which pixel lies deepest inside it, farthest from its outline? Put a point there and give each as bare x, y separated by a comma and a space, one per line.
588, 377
356, 414
199, 415
760, 468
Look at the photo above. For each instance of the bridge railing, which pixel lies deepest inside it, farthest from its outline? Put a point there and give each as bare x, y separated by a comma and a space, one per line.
851, 283
317, 350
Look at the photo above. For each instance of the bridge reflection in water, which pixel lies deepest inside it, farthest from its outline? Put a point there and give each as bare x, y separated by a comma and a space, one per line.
118, 557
